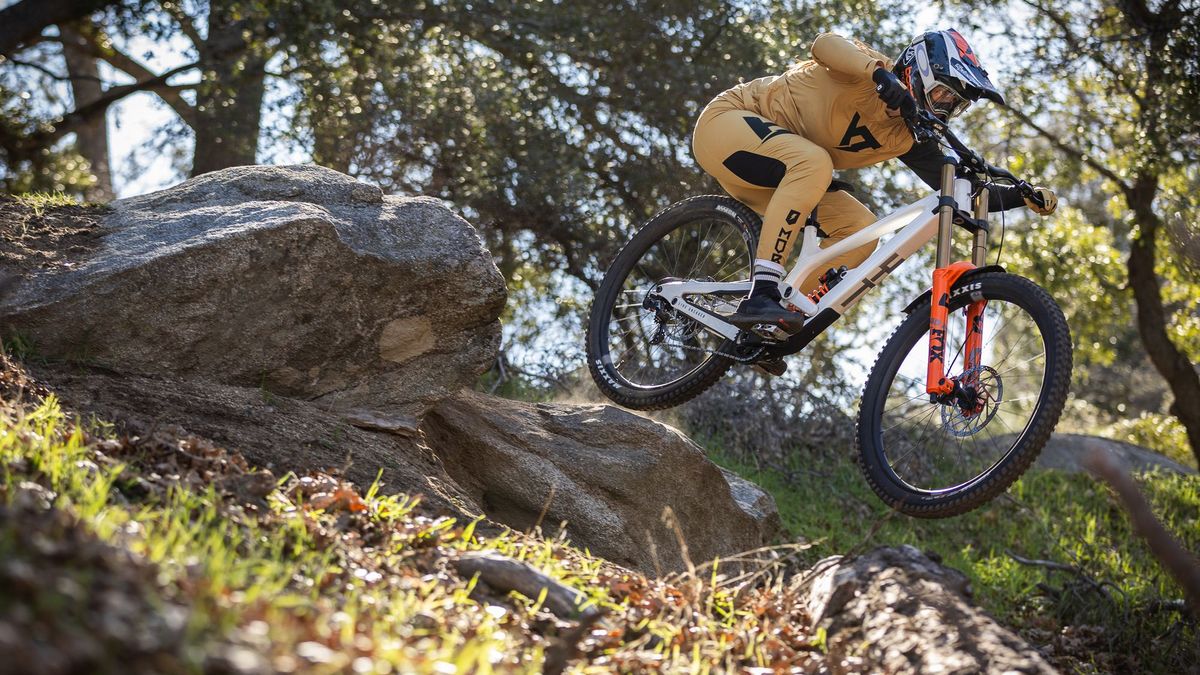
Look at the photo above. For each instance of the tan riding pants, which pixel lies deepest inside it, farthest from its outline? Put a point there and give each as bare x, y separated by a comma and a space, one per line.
782, 176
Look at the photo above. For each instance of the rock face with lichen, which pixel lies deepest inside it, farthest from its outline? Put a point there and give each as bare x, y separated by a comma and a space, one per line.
298, 280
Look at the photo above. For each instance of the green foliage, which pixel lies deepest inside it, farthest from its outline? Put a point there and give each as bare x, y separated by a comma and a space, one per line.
1046, 515
49, 171
1161, 433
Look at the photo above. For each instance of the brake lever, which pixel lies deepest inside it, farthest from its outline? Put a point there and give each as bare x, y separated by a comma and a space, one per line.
919, 126
1026, 190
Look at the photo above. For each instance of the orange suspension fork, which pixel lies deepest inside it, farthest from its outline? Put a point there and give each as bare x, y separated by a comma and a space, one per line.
943, 280
945, 275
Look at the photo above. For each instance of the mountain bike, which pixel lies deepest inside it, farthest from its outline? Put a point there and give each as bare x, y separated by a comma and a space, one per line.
962, 397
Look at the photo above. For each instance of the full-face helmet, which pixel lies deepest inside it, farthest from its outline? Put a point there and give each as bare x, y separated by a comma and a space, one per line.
943, 74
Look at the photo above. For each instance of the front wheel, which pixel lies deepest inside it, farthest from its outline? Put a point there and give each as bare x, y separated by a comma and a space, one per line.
937, 459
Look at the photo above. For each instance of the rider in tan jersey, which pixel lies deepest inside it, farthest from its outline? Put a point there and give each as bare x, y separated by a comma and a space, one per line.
773, 144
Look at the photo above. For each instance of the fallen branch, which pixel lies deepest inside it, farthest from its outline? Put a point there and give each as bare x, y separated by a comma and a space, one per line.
505, 574
1178, 561
1098, 586
1050, 565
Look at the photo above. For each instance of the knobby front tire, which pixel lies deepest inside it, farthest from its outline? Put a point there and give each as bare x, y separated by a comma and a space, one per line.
636, 358
937, 460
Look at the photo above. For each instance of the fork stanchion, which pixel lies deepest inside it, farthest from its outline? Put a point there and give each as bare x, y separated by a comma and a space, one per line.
980, 245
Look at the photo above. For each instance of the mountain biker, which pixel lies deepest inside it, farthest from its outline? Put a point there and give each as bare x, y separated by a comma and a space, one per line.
774, 142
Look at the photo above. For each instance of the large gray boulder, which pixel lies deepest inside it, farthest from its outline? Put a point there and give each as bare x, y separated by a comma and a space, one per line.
895, 610
607, 473
309, 322
297, 280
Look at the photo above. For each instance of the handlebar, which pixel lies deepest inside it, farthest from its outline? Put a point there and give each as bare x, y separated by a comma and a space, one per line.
925, 126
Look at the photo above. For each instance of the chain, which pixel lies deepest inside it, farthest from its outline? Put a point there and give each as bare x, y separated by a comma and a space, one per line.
733, 357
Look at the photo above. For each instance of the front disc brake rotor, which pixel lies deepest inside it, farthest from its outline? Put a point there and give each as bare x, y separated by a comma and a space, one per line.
968, 419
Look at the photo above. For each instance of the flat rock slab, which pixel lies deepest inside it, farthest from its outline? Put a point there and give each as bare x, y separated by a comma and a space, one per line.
1065, 452
607, 473
272, 432
297, 280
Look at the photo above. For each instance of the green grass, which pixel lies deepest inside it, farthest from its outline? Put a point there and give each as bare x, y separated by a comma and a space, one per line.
40, 201
284, 577
310, 575
1046, 515
307, 574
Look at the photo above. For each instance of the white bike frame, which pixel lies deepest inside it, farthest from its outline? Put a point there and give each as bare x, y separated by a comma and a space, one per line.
918, 223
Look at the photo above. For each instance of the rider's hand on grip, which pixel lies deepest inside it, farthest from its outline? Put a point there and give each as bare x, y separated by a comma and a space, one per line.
1041, 200
892, 92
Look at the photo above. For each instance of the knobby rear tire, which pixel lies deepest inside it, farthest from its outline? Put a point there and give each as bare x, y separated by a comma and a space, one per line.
609, 378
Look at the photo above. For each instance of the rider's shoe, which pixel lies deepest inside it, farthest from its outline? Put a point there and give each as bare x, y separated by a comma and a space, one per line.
765, 311
774, 367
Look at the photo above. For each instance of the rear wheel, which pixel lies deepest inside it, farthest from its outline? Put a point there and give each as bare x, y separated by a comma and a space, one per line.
648, 358
938, 459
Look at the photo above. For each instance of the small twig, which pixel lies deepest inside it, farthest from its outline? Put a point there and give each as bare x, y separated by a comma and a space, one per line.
1049, 564
50, 73
505, 574
545, 509
502, 376
1098, 586
669, 519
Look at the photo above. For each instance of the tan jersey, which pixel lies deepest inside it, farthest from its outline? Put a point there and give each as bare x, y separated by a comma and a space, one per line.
831, 101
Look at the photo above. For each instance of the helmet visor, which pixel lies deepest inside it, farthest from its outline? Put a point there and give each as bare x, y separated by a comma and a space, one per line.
945, 102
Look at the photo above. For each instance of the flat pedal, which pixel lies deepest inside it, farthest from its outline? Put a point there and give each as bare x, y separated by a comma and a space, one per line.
769, 331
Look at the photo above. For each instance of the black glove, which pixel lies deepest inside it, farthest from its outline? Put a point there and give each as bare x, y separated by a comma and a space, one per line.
892, 92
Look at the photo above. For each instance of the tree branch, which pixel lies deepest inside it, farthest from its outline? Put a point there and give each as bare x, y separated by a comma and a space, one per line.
69, 122
96, 44
1072, 151
185, 22
24, 21
47, 72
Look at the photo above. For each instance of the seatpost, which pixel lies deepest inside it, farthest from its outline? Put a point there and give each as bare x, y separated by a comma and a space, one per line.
980, 246
945, 210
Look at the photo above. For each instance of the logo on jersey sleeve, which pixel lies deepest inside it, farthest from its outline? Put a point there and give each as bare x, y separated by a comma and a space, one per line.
866, 142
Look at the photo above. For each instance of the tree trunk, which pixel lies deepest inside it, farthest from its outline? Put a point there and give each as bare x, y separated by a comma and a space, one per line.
229, 101
24, 21
1180, 374
91, 137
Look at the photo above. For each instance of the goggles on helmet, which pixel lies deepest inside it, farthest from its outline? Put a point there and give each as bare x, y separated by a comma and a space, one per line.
944, 102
